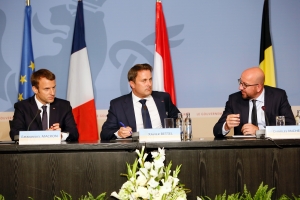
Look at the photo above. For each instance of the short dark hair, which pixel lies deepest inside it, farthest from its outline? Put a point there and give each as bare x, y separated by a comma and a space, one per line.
132, 73
41, 73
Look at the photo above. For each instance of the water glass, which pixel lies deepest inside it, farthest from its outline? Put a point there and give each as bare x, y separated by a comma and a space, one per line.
169, 122
280, 121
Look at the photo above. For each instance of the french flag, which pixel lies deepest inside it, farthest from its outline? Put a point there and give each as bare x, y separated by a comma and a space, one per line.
80, 86
163, 79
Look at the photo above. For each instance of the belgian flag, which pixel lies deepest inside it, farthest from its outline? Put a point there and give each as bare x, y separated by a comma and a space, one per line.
266, 59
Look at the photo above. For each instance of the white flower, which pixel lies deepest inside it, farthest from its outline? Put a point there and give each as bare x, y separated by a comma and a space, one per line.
153, 183
147, 165
165, 188
154, 154
151, 180
141, 180
153, 173
161, 151
143, 192
158, 164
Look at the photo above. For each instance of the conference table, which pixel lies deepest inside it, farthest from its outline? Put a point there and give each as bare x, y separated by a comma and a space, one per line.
209, 166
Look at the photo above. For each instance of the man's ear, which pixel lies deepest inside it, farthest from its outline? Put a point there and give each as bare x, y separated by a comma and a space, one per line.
132, 84
34, 89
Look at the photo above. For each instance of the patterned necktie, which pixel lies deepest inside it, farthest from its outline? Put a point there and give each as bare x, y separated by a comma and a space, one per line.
254, 113
45, 118
145, 114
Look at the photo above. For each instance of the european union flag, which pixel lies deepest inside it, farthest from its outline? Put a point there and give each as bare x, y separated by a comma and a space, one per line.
27, 62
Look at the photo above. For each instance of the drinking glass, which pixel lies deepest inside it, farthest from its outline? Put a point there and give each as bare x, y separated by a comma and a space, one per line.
169, 122
280, 121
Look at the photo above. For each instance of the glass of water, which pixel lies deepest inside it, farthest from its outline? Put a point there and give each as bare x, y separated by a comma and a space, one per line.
280, 121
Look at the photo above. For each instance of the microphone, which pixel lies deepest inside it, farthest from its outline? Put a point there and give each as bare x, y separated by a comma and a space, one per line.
266, 117
16, 137
37, 113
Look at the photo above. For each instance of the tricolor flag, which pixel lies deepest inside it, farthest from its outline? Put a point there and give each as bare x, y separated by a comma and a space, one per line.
266, 59
27, 62
80, 86
163, 79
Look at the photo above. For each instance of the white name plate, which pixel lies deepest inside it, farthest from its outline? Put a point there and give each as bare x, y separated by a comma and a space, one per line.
283, 132
39, 137
160, 135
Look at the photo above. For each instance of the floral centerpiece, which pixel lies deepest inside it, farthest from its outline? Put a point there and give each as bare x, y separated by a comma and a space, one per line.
151, 180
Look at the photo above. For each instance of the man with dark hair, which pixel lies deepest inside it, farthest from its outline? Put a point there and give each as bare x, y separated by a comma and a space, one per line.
125, 114
55, 113
254, 106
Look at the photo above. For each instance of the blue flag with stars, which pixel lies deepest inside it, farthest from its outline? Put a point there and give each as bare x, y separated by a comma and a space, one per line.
27, 62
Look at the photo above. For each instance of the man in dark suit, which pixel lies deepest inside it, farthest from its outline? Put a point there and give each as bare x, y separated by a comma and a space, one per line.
126, 110
269, 102
57, 113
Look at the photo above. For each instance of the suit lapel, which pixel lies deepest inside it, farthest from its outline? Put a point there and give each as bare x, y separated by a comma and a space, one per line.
268, 103
53, 113
160, 104
127, 105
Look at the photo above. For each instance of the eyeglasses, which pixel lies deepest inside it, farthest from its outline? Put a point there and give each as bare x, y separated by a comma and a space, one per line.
244, 85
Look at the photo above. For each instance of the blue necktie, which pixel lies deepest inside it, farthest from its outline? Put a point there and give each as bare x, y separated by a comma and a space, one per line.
45, 118
145, 114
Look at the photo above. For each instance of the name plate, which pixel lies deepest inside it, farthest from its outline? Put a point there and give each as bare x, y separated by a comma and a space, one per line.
160, 135
283, 132
39, 137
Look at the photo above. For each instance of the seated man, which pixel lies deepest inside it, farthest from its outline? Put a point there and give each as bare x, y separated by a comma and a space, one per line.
44, 111
127, 110
255, 104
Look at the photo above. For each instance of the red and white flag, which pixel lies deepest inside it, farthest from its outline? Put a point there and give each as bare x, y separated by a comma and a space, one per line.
80, 86
163, 79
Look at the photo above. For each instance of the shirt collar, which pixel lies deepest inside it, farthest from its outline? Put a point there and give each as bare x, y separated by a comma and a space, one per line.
261, 97
136, 99
39, 104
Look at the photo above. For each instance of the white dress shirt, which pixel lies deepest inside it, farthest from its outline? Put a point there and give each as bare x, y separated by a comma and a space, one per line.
39, 105
153, 112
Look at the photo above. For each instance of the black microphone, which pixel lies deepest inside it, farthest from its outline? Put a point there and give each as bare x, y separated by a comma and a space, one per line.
266, 117
16, 137
37, 113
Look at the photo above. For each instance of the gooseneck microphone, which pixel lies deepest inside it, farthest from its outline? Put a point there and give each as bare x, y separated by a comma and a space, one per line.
266, 117
37, 113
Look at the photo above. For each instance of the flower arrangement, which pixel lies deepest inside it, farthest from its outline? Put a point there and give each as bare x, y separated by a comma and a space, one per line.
151, 180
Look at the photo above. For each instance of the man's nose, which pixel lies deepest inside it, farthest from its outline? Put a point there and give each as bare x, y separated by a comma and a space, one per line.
52, 91
240, 87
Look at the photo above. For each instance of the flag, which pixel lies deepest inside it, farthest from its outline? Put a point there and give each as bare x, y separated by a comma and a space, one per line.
27, 62
163, 79
266, 59
80, 87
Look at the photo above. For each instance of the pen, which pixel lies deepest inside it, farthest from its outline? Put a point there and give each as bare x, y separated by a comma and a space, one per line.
121, 123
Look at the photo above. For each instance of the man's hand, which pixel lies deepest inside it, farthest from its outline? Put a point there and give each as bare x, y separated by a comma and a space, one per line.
249, 129
232, 120
125, 132
55, 127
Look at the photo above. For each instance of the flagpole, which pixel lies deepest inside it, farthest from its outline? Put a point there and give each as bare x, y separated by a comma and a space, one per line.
27, 2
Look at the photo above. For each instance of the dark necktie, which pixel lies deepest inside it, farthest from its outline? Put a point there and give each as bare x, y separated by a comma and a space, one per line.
145, 114
45, 118
254, 113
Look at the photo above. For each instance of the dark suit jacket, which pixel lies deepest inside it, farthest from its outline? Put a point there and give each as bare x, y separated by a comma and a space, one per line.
276, 103
60, 112
121, 110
